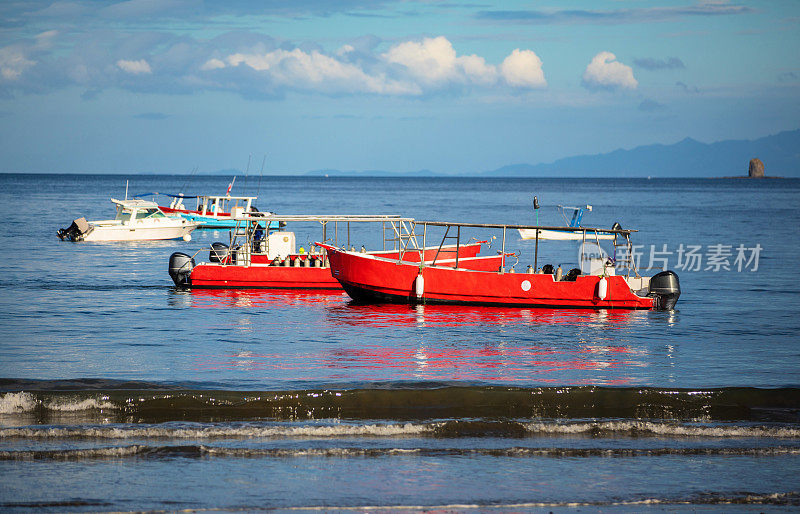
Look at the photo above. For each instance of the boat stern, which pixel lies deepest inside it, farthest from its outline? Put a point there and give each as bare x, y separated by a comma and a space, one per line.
180, 269
77, 231
665, 289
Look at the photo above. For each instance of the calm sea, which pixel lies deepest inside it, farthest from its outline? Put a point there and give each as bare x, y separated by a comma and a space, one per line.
120, 393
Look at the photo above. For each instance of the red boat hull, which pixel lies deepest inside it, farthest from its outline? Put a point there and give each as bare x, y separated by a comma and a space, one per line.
367, 278
260, 274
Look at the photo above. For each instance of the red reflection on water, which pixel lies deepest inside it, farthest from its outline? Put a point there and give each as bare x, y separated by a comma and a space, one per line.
215, 298
341, 310
389, 315
575, 362
487, 363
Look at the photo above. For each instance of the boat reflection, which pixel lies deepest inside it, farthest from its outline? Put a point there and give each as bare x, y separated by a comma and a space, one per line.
340, 310
390, 315
580, 364
259, 298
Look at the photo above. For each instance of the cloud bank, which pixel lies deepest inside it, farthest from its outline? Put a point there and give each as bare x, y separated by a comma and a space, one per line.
258, 66
409, 68
612, 16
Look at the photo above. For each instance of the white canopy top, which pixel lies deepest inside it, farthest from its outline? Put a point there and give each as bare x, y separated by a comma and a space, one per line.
135, 203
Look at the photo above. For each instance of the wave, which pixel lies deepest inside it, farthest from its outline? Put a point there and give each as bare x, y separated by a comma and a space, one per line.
778, 499
144, 403
201, 451
439, 429
218, 431
15, 403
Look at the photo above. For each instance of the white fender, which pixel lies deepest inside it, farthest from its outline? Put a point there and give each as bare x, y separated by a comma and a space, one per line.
602, 288
419, 286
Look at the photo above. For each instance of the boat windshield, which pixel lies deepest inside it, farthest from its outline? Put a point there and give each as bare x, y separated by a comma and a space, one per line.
151, 213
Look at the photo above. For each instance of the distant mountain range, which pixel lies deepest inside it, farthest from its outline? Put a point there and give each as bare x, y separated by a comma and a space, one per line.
688, 158
374, 173
780, 154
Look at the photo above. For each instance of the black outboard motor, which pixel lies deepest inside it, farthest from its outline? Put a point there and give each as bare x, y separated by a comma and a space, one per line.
75, 232
218, 252
573, 274
547, 269
180, 269
665, 290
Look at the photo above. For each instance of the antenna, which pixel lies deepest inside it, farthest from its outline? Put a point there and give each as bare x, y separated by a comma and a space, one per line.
126, 189
261, 174
249, 157
188, 177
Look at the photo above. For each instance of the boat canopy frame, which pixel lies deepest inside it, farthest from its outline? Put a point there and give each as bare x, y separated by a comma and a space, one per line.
205, 204
396, 229
621, 239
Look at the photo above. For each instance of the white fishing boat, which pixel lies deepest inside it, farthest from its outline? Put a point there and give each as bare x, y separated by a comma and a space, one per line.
136, 220
560, 235
566, 235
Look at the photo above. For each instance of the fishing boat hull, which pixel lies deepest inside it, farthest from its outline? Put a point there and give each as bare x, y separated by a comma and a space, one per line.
371, 279
559, 235
261, 276
298, 271
113, 230
101, 232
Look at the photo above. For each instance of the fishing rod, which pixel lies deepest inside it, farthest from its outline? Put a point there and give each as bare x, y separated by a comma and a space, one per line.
247, 171
186, 182
261, 175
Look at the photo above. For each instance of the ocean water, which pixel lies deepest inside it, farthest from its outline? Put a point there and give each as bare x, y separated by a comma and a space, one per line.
120, 393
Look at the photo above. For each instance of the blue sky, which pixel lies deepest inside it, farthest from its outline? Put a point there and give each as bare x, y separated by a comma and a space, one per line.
452, 86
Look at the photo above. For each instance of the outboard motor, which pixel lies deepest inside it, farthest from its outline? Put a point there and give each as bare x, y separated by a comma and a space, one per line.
547, 269
218, 252
75, 232
573, 274
665, 290
180, 269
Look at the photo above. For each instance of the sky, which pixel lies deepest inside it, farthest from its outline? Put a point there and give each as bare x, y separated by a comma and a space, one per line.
167, 86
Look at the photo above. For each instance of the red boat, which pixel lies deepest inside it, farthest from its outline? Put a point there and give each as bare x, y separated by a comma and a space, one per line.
305, 271
371, 278
272, 261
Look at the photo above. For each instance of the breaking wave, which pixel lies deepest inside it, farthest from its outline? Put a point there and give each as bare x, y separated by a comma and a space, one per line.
439, 429
16, 403
199, 451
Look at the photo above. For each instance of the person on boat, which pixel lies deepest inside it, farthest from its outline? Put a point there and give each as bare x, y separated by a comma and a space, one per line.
258, 236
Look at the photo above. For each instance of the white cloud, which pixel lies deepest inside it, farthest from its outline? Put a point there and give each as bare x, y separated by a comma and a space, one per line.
430, 65
433, 61
345, 49
315, 71
13, 63
134, 67
523, 68
605, 72
256, 66
212, 64
476, 69
45, 39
